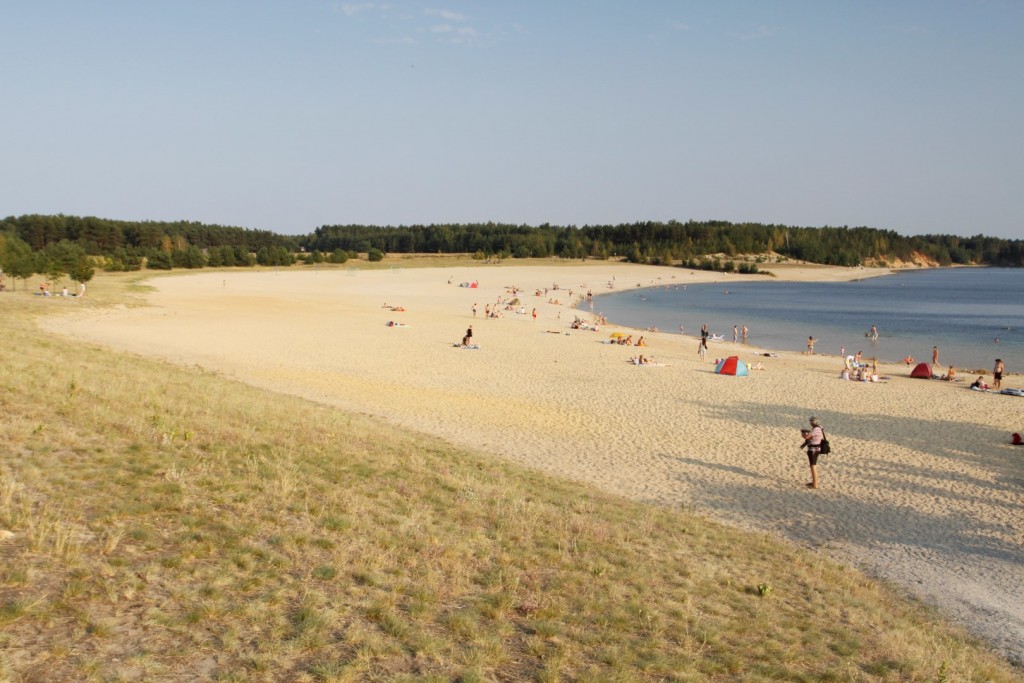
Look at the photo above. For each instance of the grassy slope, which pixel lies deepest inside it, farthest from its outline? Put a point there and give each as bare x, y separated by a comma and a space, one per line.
172, 525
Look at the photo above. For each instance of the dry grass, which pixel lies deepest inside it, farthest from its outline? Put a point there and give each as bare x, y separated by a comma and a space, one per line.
169, 524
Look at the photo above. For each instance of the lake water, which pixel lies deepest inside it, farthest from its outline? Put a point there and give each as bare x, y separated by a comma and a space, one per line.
963, 311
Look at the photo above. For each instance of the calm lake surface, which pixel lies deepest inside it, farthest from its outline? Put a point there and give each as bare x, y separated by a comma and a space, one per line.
963, 311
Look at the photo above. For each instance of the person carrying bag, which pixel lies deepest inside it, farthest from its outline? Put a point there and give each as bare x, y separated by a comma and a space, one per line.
816, 444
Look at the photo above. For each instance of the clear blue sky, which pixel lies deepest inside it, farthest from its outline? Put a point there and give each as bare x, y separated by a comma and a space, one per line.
290, 115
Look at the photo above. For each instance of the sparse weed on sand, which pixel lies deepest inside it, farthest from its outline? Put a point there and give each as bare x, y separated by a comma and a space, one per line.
166, 523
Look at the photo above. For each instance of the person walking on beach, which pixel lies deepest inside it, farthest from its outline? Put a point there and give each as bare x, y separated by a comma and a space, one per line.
702, 348
935, 358
474, 310
810, 345
997, 374
812, 441
704, 331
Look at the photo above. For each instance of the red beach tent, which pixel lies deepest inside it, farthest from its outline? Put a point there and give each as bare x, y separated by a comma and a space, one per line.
922, 371
731, 366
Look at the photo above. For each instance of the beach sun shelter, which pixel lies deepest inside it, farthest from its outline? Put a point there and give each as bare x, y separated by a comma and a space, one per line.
922, 371
731, 366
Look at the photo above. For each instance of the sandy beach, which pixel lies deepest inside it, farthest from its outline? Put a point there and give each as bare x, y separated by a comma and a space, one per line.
923, 487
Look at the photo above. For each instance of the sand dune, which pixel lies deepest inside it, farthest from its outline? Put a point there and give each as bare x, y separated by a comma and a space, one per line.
923, 487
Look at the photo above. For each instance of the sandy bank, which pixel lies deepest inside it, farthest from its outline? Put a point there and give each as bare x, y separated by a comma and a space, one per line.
923, 487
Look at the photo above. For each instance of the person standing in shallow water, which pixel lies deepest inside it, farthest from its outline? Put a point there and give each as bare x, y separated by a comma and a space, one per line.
812, 442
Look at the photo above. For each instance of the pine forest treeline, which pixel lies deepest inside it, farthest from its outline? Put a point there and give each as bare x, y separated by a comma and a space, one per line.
665, 243
71, 245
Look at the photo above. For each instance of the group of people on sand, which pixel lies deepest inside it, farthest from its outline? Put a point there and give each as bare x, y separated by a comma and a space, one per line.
502, 304
44, 290
997, 378
854, 368
628, 341
978, 384
581, 324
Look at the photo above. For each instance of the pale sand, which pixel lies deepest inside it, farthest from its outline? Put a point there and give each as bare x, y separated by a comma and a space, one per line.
923, 487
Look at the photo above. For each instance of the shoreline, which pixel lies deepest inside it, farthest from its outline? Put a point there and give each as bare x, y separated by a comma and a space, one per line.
774, 314
798, 276
920, 489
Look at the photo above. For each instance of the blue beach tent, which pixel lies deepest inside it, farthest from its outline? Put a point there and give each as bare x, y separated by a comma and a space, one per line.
731, 366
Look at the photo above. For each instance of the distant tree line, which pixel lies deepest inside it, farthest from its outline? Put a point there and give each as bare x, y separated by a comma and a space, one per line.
73, 245
671, 242
103, 236
50, 245
19, 262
